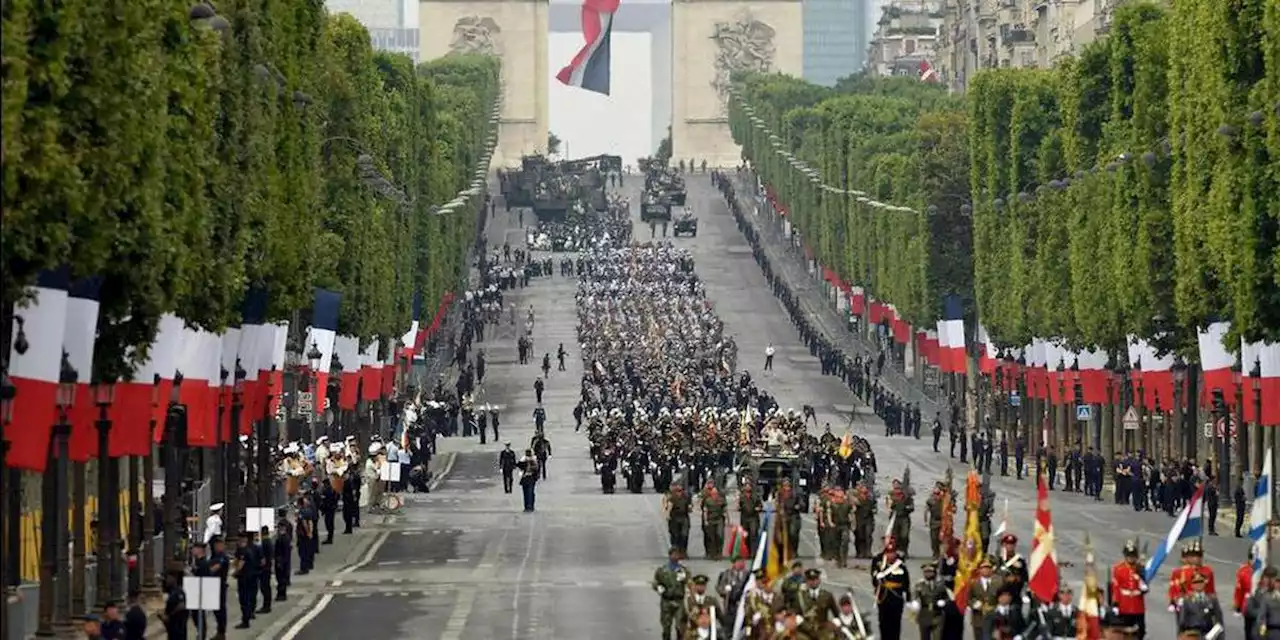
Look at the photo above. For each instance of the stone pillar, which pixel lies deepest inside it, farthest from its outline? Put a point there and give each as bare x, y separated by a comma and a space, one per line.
699, 74
516, 30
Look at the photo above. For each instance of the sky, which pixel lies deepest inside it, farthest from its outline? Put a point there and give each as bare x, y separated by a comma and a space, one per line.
590, 123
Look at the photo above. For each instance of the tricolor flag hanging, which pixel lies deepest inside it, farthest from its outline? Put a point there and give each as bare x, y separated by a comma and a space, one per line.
271, 371
1216, 362
230, 348
347, 349
35, 373
410, 339
79, 336
200, 362
370, 372
1188, 525
951, 341
1260, 361
1260, 518
590, 67
1155, 373
321, 335
257, 338
987, 360
1043, 569
162, 364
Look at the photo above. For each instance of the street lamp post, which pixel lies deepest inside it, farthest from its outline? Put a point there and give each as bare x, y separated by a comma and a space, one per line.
1181, 437
108, 497
146, 559
232, 482
334, 420
52, 502
266, 474
314, 358
10, 479
1223, 415
175, 441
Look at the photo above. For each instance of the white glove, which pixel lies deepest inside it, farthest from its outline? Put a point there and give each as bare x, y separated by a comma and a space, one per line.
1026, 600
1142, 586
1172, 608
1237, 614
661, 589
755, 617
914, 605
941, 603
977, 606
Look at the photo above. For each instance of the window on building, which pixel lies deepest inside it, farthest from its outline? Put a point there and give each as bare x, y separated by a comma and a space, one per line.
908, 46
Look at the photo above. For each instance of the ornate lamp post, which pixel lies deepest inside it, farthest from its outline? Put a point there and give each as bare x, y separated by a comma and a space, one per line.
174, 454
1182, 437
233, 481
10, 576
265, 474
146, 562
108, 497
333, 414
53, 508
314, 358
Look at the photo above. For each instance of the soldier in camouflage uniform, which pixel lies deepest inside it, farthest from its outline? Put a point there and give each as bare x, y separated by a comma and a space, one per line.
821, 512
901, 506
840, 519
677, 505
985, 508
714, 510
789, 512
749, 507
934, 507
864, 511
669, 581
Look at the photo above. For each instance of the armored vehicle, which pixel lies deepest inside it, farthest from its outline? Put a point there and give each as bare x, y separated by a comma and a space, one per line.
768, 469
686, 222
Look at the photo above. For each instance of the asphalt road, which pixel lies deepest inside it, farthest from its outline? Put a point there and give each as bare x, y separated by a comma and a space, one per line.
465, 563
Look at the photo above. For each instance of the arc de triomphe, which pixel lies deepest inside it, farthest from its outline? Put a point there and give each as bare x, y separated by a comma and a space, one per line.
705, 41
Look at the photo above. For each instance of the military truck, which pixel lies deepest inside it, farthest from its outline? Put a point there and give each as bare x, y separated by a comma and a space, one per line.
686, 223
654, 208
767, 470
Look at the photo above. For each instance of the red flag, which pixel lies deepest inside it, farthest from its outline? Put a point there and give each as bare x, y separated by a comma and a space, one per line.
1044, 562
1089, 626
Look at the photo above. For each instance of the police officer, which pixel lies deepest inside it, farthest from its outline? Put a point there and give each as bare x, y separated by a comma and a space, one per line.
266, 562
175, 612
247, 564
219, 566
328, 509
282, 557
507, 463
306, 532
669, 582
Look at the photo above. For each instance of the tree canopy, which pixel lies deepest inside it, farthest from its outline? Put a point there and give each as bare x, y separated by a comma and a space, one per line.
185, 161
1133, 190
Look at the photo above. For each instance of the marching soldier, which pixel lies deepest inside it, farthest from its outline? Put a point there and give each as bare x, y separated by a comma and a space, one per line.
1198, 611
1013, 568
1128, 590
815, 605
1256, 626
698, 602
901, 505
986, 506
713, 515
892, 583
730, 585
864, 511
1006, 621
934, 507
789, 513
1180, 578
840, 519
761, 604
676, 505
749, 507
982, 597
820, 516
930, 603
1059, 618
791, 586
669, 582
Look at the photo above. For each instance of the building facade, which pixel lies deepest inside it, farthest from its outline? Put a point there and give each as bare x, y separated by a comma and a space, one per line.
836, 36
906, 37
988, 34
388, 21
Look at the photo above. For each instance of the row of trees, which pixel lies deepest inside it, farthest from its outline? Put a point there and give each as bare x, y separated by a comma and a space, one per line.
1132, 190
185, 155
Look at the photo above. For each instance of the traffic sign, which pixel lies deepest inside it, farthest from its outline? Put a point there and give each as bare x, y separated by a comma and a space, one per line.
1222, 425
1015, 400
1131, 420
1084, 412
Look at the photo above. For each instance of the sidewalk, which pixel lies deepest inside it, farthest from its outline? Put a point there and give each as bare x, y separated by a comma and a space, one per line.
790, 267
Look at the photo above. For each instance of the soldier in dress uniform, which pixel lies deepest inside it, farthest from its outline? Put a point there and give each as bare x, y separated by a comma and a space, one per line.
762, 601
892, 582
698, 602
982, 596
1128, 590
791, 585
1059, 618
1198, 611
714, 509
669, 581
1256, 627
815, 605
1006, 621
677, 505
1192, 565
930, 602
730, 585
1013, 567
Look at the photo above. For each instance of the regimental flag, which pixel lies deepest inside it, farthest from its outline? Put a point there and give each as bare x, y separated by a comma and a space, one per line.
321, 334
1260, 518
1188, 525
737, 547
846, 445
971, 550
590, 67
764, 559
1090, 598
35, 373
80, 334
1043, 569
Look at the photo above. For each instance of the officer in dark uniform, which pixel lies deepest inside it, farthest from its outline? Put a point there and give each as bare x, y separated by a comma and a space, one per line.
350, 504
175, 612
220, 567
328, 509
1059, 618
247, 564
266, 557
892, 582
1199, 611
507, 462
307, 539
282, 556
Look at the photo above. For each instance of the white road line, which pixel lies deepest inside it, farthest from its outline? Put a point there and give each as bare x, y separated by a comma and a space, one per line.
453, 560
368, 556
444, 473
457, 622
306, 619
515, 598
387, 563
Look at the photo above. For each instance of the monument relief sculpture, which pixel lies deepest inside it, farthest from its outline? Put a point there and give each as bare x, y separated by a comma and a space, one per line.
476, 34
744, 44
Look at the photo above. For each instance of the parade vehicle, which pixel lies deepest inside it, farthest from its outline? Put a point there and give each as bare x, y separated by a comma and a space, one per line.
770, 467
686, 222
654, 208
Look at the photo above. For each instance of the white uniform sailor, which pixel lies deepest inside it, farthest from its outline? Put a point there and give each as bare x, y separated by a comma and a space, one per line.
213, 524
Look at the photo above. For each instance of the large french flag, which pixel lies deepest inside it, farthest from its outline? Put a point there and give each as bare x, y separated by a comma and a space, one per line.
80, 334
590, 67
1216, 361
951, 340
348, 350
35, 372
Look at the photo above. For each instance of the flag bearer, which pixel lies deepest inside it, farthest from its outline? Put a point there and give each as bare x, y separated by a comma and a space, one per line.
1129, 591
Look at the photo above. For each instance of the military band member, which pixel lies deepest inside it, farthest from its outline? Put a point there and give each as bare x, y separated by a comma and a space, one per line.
1198, 610
930, 602
1059, 618
892, 583
1006, 621
669, 582
982, 597
714, 509
677, 506
698, 602
815, 605
1192, 565
1013, 567
1128, 590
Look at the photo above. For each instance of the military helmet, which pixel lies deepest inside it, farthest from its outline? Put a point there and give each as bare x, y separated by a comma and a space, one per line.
1130, 548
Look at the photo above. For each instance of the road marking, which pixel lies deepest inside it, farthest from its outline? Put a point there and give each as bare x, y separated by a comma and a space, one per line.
457, 622
444, 473
306, 619
453, 560
387, 563
515, 598
368, 556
